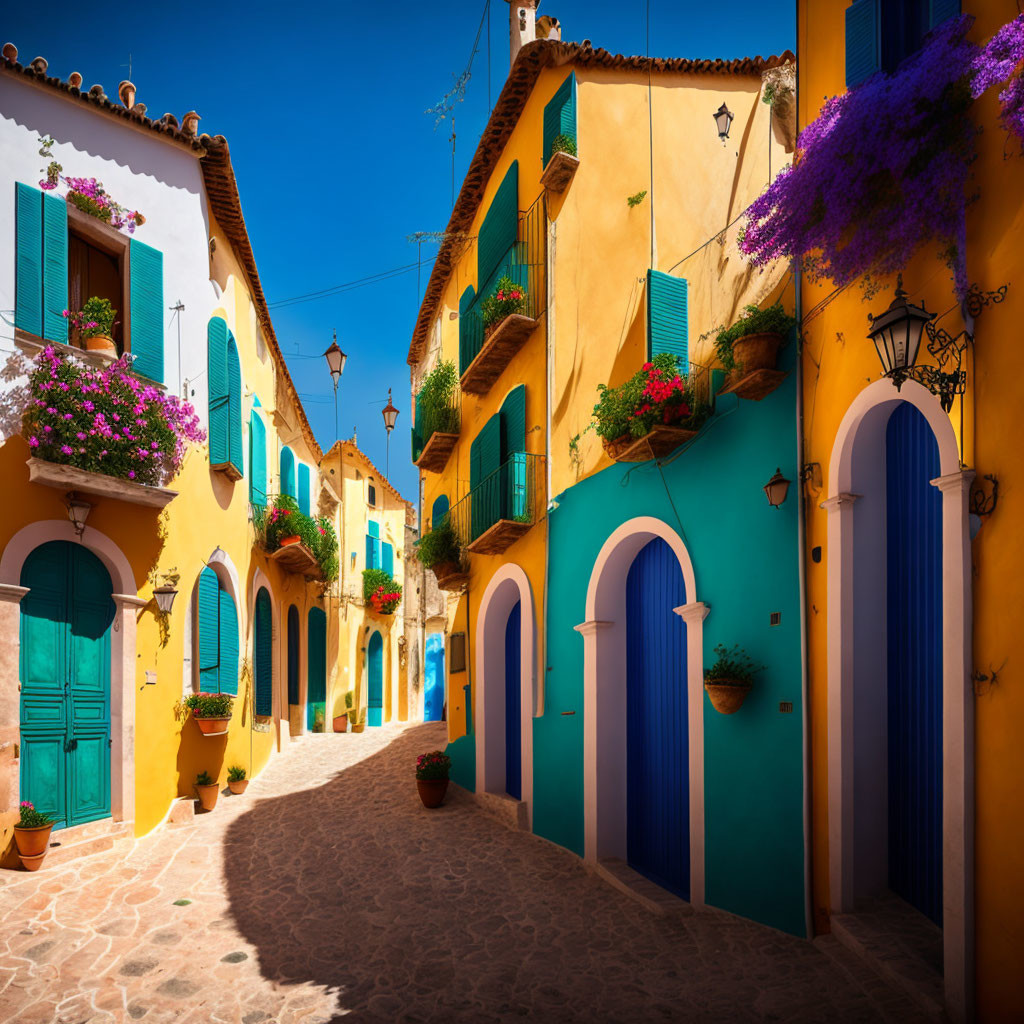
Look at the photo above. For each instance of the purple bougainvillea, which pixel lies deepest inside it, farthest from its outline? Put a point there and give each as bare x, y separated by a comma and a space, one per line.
885, 167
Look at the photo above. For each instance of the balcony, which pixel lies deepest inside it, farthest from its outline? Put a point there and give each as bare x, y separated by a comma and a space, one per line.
486, 349
502, 508
559, 171
435, 433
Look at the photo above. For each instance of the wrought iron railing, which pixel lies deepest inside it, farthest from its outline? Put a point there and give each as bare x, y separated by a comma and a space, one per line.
526, 264
432, 419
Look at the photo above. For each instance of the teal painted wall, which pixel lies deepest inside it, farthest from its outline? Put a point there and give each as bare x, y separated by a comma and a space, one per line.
462, 751
745, 558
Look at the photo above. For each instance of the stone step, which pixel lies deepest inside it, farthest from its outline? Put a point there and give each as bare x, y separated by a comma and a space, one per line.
621, 876
84, 840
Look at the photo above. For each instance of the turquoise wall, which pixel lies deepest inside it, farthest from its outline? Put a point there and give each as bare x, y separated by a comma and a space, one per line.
745, 558
462, 751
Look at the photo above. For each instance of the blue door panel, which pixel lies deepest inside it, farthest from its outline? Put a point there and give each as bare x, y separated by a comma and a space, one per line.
433, 689
375, 676
657, 740
513, 705
914, 611
316, 668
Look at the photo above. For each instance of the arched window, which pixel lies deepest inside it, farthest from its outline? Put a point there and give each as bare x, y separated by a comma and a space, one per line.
288, 472
224, 372
438, 511
263, 655
218, 636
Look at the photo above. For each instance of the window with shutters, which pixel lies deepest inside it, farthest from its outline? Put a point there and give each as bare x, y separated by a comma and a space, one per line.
217, 635
667, 316
371, 494
560, 121
224, 374
373, 546
303, 497
289, 484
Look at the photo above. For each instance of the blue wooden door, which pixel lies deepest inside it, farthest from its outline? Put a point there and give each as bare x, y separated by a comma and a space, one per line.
65, 683
433, 688
513, 705
316, 666
375, 675
914, 624
657, 740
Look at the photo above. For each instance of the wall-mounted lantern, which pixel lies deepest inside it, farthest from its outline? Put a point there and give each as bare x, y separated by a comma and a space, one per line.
897, 333
776, 489
164, 596
78, 511
723, 120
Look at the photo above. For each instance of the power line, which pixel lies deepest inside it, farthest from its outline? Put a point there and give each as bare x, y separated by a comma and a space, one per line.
360, 282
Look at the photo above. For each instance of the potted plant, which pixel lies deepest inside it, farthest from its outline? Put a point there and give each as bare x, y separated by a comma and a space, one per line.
729, 679
318, 719
563, 144
341, 721
208, 791
211, 711
753, 342
281, 524
357, 719
381, 591
93, 325
507, 299
432, 777
32, 835
237, 781
440, 551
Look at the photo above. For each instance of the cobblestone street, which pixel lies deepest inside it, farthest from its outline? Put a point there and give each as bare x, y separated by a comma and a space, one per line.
328, 892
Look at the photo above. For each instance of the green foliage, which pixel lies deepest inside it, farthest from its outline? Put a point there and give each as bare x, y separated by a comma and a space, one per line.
318, 719
440, 545
91, 206
435, 765
348, 700
209, 705
282, 518
636, 199
754, 320
563, 144
356, 716
733, 666
381, 591
436, 401
236, 773
203, 779
506, 299
31, 818
97, 316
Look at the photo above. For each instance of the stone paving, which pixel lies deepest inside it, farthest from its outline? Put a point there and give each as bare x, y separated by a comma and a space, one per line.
327, 892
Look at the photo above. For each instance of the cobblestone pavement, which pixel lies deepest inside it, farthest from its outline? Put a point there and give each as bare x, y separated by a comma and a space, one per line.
327, 892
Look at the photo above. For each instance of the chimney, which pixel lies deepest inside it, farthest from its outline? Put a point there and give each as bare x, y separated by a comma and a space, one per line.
522, 25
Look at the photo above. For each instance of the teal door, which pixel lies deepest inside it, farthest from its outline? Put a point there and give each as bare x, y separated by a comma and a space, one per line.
316, 666
375, 673
65, 683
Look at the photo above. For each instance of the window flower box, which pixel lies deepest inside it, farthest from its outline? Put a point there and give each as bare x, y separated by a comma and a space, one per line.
560, 170
82, 481
298, 543
502, 342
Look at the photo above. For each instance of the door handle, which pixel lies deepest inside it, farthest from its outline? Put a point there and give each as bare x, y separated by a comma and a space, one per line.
70, 745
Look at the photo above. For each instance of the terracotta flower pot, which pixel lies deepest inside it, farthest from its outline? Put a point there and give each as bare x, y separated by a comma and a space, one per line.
208, 796
32, 863
213, 726
442, 570
358, 726
727, 697
755, 352
432, 791
33, 841
293, 539
101, 343
237, 786
341, 723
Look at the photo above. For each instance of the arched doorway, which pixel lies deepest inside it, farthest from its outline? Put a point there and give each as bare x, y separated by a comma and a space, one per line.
513, 704
263, 655
316, 671
294, 646
375, 680
433, 691
65, 683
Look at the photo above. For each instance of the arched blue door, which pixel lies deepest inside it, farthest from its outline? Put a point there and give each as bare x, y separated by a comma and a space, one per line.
657, 739
375, 676
65, 683
914, 630
433, 689
316, 666
513, 704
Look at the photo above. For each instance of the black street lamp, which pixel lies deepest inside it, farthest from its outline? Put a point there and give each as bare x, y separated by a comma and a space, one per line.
723, 120
390, 414
897, 334
776, 489
336, 364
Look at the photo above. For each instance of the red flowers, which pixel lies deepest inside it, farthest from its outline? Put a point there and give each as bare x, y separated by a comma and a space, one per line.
385, 601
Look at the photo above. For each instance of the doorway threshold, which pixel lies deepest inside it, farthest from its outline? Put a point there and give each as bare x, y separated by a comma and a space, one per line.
658, 901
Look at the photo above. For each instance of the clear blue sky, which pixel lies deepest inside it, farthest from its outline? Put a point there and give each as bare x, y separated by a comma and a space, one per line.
337, 163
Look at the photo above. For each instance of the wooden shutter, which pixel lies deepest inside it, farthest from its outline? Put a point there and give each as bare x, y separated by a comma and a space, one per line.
667, 326
941, 10
471, 331
228, 674
234, 407
217, 379
387, 560
55, 268
304, 488
862, 49
263, 682
560, 115
500, 228
373, 555
288, 472
485, 458
28, 287
417, 429
293, 655
209, 631
147, 312
257, 459
439, 511
513, 422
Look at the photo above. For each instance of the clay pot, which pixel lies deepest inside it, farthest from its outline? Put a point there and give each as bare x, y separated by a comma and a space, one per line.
208, 796
358, 726
293, 539
727, 697
213, 726
32, 841
442, 570
432, 791
237, 786
101, 343
755, 352
32, 863
341, 723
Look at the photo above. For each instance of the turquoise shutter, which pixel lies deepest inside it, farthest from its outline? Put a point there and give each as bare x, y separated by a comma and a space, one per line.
55, 268
373, 557
417, 430
217, 378
942, 10
513, 422
234, 407
257, 459
439, 511
667, 326
228, 674
485, 458
303, 488
500, 228
387, 561
862, 50
512, 486
147, 312
28, 286
263, 682
560, 115
209, 631
471, 329
288, 472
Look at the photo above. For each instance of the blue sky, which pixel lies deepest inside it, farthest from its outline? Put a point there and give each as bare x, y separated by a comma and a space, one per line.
337, 163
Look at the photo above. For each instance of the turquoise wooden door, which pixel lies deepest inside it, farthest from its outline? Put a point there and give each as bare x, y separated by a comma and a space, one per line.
433, 689
375, 673
316, 666
65, 683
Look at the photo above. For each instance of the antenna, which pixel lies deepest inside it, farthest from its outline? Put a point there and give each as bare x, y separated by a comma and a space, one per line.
128, 66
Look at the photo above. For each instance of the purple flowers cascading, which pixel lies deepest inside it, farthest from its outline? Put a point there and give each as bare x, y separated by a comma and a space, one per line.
885, 166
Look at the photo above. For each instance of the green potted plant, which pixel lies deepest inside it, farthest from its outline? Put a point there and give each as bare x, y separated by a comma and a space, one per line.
211, 712
381, 591
32, 836
357, 719
318, 719
237, 782
563, 144
208, 791
432, 777
507, 299
730, 678
93, 325
753, 342
341, 721
440, 550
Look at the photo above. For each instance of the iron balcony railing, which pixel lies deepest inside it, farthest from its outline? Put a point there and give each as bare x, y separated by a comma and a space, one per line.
526, 264
432, 419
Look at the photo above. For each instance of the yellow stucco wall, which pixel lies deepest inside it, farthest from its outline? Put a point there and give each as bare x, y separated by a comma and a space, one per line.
839, 362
